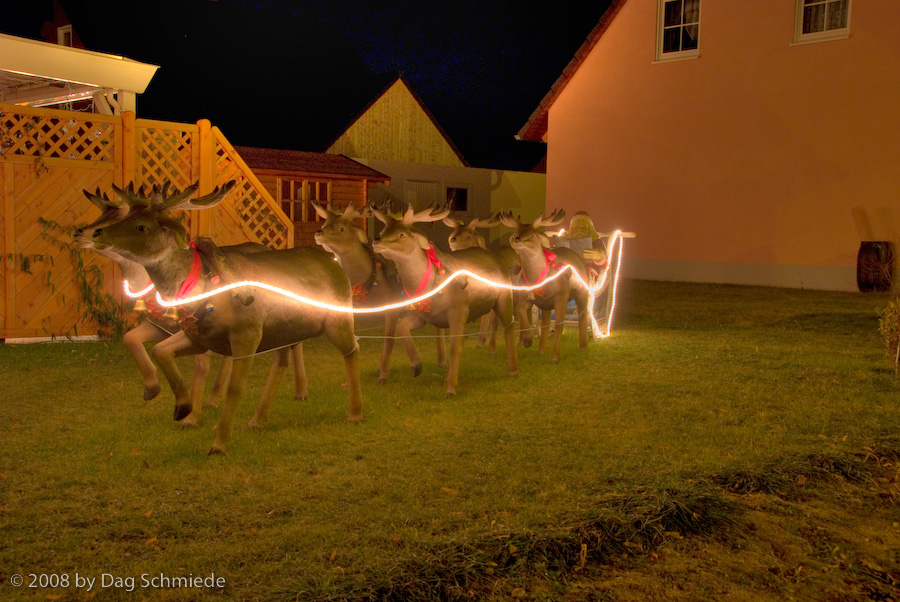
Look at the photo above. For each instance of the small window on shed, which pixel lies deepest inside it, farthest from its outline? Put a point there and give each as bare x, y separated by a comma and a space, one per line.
458, 198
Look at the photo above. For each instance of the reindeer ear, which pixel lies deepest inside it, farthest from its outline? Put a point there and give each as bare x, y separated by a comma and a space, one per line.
545, 240
175, 229
449, 221
361, 235
422, 240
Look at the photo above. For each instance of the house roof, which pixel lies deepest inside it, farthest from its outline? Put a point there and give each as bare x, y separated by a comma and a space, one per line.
421, 104
535, 129
34, 72
309, 162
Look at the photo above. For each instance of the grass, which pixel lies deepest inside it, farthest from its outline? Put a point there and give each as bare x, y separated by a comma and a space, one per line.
700, 388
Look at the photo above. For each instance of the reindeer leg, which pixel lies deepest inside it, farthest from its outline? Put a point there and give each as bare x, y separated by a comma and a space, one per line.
484, 327
457, 328
559, 320
503, 313
405, 325
545, 330
340, 333
280, 360
134, 341
492, 343
523, 312
581, 304
390, 331
242, 347
217, 394
198, 380
300, 382
441, 348
164, 354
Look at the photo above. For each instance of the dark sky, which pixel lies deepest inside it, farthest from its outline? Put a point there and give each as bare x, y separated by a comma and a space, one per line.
293, 74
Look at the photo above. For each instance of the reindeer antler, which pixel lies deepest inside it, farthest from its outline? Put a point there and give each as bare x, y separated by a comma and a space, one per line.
109, 210
506, 218
431, 214
159, 198
554, 219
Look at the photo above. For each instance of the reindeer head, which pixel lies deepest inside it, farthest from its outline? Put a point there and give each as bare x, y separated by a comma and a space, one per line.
340, 232
145, 231
528, 237
398, 238
465, 236
110, 213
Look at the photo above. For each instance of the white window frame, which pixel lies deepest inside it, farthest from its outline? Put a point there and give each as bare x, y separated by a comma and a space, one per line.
62, 32
682, 55
819, 36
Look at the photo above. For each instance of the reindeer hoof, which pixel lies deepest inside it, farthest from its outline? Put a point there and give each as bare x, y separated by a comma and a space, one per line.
256, 424
382, 380
151, 392
449, 394
301, 396
526, 343
354, 418
216, 451
189, 424
182, 410
415, 370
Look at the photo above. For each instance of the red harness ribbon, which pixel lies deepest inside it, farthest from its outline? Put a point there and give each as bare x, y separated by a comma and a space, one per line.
433, 262
549, 260
193, 276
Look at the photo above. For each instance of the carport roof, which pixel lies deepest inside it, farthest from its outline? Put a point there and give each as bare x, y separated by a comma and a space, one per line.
35, 73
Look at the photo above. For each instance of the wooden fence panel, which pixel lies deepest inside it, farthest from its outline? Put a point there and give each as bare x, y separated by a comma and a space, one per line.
47, 157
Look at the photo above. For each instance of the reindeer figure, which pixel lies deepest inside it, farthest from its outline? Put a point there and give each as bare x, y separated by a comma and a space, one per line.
157, 326
225, 323
374, 281
539, 262
466, 236
421, 268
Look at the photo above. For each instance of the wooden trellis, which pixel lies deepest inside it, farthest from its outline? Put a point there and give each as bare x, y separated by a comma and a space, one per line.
47, 157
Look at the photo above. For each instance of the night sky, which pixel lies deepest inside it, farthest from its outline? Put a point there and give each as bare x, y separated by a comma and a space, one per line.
292, 74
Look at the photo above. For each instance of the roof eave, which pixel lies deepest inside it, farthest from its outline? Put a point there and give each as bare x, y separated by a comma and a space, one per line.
535, 129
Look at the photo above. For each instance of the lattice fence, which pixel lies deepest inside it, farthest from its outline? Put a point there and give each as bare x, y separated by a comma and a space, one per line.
51, 134
256, 211
47, 157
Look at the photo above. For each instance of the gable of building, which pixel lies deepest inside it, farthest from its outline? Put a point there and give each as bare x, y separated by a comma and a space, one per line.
396, 126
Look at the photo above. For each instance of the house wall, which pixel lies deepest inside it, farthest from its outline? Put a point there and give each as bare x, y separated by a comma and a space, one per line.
490, 190
760, 162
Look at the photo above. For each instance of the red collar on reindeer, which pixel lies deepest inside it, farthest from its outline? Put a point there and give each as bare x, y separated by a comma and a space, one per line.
549, 259
433, 262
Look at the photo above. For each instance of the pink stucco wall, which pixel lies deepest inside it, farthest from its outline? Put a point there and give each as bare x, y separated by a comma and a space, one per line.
760, 162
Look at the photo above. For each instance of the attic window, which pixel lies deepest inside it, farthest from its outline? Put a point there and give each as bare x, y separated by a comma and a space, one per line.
821, 20
678, 35
64, 35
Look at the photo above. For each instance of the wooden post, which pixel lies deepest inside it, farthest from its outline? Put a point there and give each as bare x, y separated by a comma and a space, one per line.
7, 199
200, 220
128, 166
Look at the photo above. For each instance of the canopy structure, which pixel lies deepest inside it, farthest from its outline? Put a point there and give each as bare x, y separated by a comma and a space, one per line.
38, 74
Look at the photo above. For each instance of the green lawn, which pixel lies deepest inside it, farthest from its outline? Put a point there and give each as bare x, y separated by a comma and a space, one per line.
429, 495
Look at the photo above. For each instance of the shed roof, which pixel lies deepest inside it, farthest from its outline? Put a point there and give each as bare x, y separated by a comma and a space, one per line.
325, 164
535, 129
33, 72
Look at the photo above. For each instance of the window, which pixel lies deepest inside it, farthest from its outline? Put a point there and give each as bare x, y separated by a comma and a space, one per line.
64, 35
421, 194
821, 20
295, 196
679, 30
458, 198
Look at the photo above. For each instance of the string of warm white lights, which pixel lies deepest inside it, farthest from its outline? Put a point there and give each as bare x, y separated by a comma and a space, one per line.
615, 239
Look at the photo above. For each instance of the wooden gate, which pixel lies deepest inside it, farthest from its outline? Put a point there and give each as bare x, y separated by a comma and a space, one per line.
48, 157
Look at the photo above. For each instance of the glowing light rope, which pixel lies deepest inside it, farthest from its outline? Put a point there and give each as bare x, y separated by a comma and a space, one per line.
616, 237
